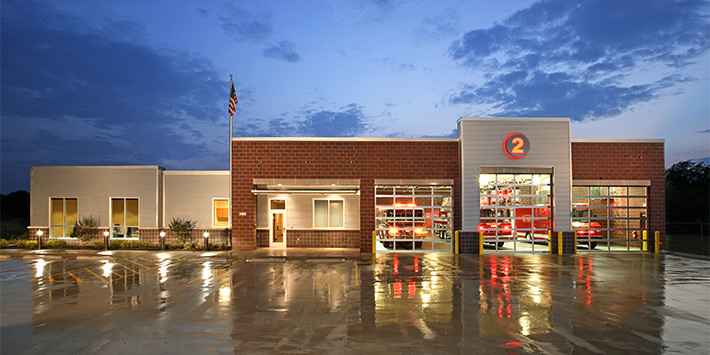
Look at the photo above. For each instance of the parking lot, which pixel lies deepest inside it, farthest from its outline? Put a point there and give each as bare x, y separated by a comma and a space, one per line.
168, 302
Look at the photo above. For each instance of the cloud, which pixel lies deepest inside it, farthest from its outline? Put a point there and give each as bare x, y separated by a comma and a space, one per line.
242, 26
348, 121
707, 131
282, 51
75, 94
571, 58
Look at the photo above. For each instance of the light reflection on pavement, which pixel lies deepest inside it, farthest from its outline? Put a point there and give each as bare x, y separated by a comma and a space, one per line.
393, 303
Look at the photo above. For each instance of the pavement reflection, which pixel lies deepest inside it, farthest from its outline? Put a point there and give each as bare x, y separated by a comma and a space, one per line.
398, 303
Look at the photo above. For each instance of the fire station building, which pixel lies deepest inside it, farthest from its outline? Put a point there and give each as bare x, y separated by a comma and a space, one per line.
511, 180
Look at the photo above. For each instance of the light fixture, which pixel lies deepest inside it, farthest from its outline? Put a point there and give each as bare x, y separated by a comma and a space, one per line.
206, 234
105, 233
162, 234
39, 233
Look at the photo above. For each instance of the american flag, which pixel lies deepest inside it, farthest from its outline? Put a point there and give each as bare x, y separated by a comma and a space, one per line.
232, 100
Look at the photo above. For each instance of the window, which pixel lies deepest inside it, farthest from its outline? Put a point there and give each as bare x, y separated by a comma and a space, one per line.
63, 217
220, 212
124, 218
328, 214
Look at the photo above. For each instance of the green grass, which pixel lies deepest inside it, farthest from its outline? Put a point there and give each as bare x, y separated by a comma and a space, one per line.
688, 243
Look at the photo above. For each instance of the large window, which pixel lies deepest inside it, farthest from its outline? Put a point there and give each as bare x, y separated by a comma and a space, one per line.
414, 217
124, 218
610, 218
63, 213
328, 214
220, 212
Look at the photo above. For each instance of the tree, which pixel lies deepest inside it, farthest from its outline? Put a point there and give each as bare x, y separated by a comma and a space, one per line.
688, 192
182, 228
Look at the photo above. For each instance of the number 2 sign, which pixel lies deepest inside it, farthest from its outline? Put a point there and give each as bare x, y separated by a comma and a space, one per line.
516, 145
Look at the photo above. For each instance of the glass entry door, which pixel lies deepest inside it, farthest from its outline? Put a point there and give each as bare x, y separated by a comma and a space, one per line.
277, 230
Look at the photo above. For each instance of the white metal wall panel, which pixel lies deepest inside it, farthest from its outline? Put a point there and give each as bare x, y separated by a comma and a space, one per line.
189, 194
93, 186
482, 146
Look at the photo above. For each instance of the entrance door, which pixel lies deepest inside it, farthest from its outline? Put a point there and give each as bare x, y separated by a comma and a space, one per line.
277, 231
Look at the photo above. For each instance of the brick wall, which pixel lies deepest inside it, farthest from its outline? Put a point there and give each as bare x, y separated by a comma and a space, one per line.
323, 239
626, 161
337, 159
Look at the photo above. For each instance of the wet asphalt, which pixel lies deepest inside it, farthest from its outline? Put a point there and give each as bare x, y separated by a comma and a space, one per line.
189, 302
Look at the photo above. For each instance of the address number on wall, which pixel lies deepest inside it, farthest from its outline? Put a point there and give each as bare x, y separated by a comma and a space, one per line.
516, 145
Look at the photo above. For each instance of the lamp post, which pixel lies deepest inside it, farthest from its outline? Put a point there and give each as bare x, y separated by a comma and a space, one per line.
39, 239
162, 240
106, 233
206, 236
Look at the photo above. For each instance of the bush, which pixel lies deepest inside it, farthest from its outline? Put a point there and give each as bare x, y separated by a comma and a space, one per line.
56, 244
190, 246
4, 243
98, 244
176, 245
85, 228
200, 246
27, 244
182, 228
135, 244
115, 244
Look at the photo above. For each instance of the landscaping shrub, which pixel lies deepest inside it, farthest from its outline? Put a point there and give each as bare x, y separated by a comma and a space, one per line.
56, 244
98, 244
175, 245
26, 244
85, 228
4, 243
200, 246
115, 244
190, 246
182, 228
135, 244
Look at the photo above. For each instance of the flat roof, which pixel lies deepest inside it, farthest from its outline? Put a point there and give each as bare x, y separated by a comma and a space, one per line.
344, 139
602, 140
513, 119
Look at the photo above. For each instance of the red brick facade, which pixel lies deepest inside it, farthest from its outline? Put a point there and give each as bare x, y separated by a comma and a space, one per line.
365, 160
626, 161
368, 160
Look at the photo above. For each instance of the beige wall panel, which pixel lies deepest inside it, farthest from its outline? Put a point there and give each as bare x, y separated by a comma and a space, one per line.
93, 186
189, 194
299, 210
482, 146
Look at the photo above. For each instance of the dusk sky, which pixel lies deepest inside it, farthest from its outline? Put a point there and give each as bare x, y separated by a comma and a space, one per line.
86, 82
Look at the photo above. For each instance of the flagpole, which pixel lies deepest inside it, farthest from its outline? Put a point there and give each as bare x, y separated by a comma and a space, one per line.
230, 171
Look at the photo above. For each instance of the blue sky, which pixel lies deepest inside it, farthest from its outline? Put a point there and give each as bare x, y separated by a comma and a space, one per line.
147, 82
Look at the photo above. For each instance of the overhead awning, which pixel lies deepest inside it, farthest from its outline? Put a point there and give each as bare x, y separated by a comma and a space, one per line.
305, 192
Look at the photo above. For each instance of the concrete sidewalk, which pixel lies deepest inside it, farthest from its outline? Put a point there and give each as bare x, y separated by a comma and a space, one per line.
259, 253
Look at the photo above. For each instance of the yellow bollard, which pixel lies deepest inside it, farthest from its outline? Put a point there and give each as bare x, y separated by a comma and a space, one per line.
480, 243
644, 246
374, 241
658, 242
456, 241
549, 241
575, 242
559, 243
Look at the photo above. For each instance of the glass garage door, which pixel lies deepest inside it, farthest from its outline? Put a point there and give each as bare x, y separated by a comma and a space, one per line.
515, 213
413, 218
609, 218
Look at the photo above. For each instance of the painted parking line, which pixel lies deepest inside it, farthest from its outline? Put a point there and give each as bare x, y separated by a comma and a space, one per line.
282, 273
357, 281
95, 274
131, 261
10, 276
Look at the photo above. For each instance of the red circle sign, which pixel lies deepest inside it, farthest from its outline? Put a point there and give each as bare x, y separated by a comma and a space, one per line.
516, 145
